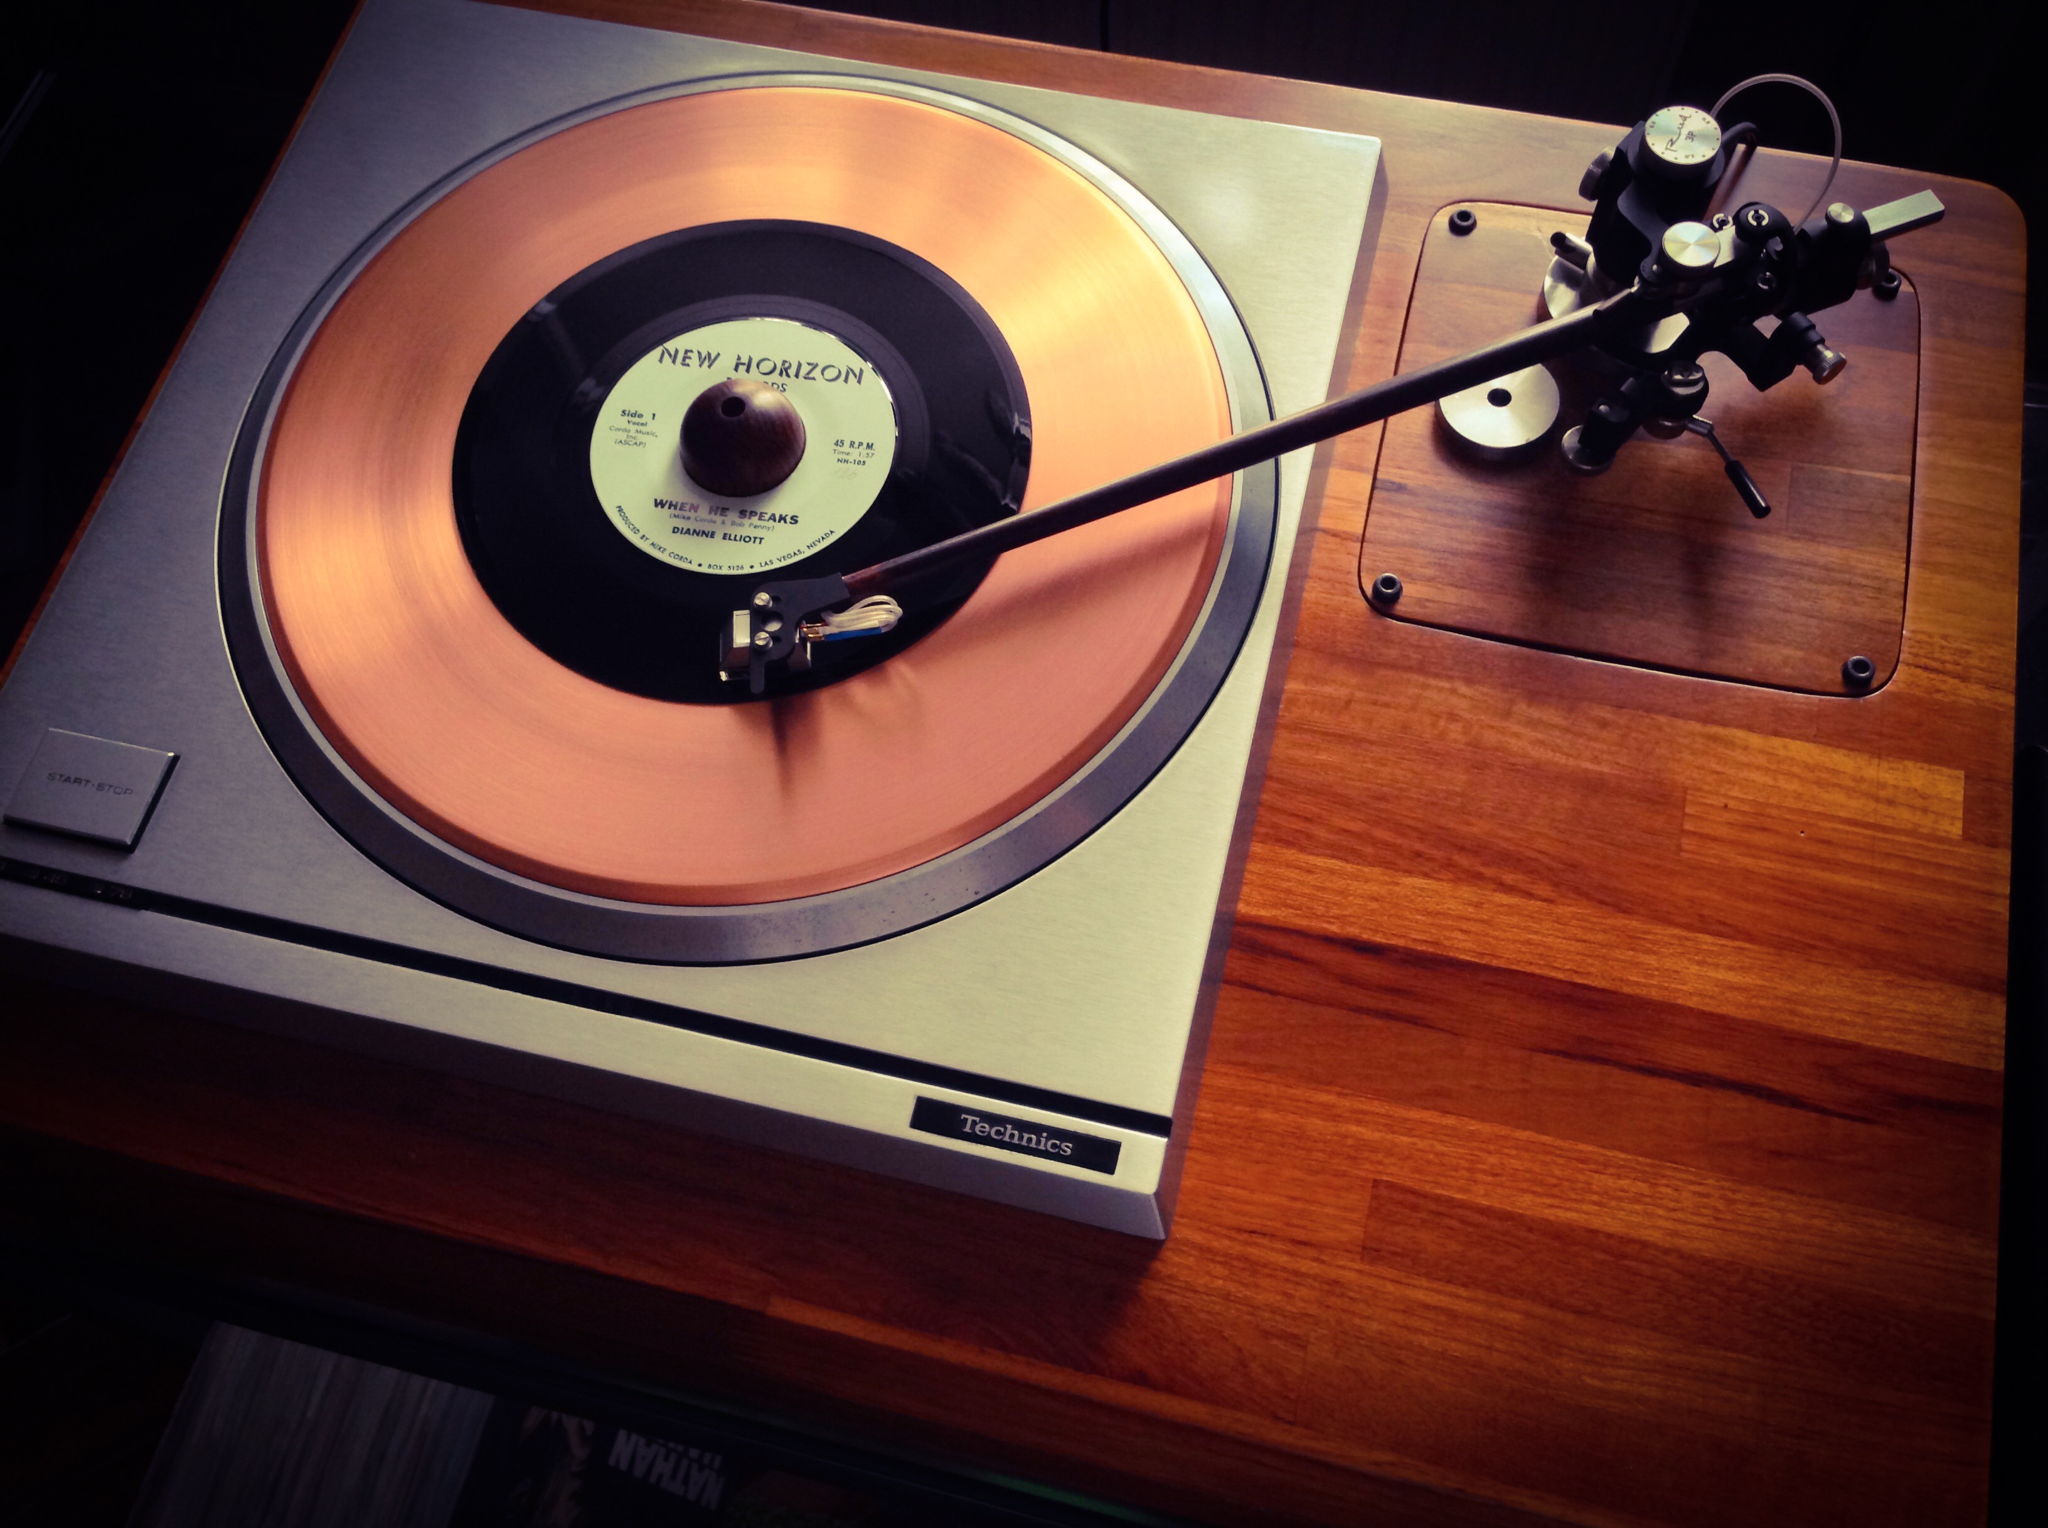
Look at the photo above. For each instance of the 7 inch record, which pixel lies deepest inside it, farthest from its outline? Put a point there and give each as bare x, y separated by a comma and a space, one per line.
455, 630
588, 533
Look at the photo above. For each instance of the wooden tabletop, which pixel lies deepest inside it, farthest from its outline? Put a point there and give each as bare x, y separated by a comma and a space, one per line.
1601, 1118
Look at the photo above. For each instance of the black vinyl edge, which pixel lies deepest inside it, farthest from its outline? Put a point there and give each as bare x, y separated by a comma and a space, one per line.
596, 999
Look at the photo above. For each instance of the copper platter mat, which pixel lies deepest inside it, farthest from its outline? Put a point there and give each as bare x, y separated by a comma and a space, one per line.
432, 697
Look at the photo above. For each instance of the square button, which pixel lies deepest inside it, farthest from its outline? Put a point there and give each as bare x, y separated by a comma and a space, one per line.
90, 787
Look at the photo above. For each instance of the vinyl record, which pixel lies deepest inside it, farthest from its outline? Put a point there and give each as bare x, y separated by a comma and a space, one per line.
443, 713
576, 506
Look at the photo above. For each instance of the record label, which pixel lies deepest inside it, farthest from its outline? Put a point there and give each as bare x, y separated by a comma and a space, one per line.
637, 469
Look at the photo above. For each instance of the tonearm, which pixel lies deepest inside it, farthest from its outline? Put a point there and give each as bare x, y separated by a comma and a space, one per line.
1660, 280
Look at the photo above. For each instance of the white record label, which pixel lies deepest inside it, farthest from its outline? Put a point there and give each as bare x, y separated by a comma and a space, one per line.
636, 462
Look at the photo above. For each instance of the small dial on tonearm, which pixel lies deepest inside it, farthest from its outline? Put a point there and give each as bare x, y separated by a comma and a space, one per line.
1682, 137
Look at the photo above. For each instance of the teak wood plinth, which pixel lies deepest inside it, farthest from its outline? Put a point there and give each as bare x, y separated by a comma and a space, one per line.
1601, 1118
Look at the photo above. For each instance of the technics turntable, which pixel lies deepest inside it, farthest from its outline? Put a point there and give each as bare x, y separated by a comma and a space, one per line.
1600, 1119
378, 702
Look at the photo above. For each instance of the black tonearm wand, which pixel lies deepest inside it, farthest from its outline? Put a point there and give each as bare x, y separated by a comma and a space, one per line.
1723, 273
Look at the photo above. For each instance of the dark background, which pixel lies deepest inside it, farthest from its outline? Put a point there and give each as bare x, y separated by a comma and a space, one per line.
138, 134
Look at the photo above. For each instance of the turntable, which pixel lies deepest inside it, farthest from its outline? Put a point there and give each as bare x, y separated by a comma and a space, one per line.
1600, 1116
380, 702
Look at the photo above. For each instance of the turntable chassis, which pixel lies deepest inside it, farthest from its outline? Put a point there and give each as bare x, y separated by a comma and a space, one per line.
1601, 1119
885, 984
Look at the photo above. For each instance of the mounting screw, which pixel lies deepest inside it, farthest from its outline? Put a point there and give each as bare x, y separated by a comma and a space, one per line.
763, 599
762, 639
1463, 221
1857, 672
1886, 286
1386, 589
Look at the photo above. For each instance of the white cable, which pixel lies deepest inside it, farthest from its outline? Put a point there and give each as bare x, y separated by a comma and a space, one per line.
875, 614
1820, 95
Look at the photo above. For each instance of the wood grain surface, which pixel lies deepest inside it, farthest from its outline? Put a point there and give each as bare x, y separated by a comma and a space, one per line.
1601, 1119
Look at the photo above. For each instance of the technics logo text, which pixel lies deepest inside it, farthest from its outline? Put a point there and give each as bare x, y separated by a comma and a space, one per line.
1031, 1138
